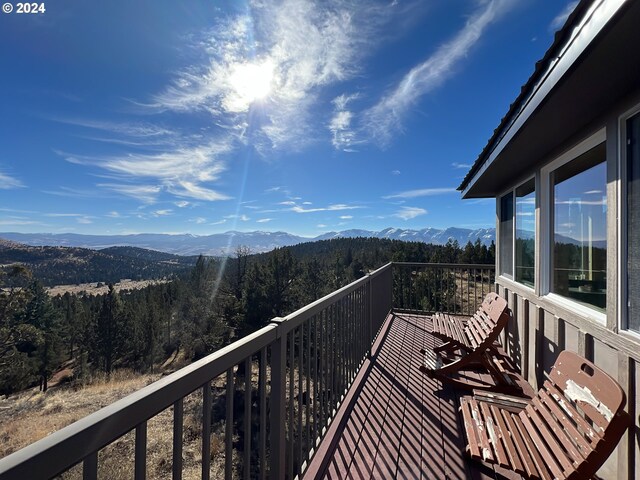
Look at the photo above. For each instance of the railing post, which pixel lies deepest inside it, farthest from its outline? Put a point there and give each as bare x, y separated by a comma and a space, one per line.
369, 319
277, 403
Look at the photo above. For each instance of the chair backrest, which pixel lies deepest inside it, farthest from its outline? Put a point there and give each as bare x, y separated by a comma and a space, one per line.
486, 324
579, 412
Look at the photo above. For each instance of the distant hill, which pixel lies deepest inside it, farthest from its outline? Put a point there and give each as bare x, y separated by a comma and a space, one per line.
55, 265
258, 241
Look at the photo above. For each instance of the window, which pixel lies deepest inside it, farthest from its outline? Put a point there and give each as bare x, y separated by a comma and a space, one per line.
633, 223
525, 233
579, 237
506, 235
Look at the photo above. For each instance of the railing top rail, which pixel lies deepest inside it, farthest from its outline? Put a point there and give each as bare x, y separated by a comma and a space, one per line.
485, 266
73, 443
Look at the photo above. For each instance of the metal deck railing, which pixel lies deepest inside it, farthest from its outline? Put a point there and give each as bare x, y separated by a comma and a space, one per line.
304, 364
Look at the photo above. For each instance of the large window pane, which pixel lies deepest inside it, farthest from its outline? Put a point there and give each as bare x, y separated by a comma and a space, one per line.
525, 232
506, 235
633, 222
580, 229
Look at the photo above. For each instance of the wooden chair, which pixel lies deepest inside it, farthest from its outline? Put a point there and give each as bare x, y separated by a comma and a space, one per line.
566, 431
468, 343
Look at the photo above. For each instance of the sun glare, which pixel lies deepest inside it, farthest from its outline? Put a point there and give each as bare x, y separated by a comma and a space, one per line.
252, 81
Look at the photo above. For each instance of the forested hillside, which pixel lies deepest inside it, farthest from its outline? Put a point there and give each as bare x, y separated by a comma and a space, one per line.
216, 302
68, 265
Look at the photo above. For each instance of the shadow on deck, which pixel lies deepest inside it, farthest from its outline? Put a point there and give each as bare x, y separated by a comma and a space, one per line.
396, 422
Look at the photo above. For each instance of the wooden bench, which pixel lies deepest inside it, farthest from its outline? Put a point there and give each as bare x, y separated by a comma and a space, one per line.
566, 431
468, 343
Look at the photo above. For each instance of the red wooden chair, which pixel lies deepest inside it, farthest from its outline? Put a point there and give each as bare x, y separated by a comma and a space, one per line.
567, 431
470, 342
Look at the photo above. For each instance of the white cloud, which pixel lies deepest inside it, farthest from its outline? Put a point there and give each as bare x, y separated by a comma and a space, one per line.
84, 220
264, 220
346, 217
461, 165
423, 192
385, 118
198, 220
331, 208
275, 58
342, 132
186, 171
220, 222
395, 172
321, 225
182, 203
559, 20
162, 213
113, 214
143, 193
407, 213
7, 182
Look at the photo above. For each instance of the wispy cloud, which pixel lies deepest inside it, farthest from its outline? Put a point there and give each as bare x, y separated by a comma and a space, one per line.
385, 119
183, 172
182, 203
143, 193
559, 19
198, 220
395, 172
465, 166
423, 192
162, 213
276, 57
407, 213
8, 182
346, 217
264, 220
342, 132
330, 208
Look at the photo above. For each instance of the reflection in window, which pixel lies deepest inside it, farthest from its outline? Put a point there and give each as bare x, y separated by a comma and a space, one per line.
506, 235
633, 223
580, 229
525, 232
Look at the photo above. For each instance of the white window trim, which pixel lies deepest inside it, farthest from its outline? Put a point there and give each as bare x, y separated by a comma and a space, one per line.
546, 226
623, 294
512, 277
499, 235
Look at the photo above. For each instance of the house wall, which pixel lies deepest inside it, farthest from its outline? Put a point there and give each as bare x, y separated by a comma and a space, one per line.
542, 327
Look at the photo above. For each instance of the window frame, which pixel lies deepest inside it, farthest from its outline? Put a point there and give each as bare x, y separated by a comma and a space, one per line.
512, 278
622, 224
547, 226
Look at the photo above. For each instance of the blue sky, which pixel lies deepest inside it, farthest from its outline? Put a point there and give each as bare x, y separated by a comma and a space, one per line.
203, 117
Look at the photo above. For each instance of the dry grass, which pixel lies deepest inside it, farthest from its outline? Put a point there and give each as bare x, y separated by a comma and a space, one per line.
94, 289
32, 415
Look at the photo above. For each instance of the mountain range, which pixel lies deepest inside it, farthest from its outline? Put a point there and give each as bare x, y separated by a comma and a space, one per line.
257, 241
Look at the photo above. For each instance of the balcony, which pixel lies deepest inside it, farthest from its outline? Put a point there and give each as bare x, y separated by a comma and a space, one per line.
332, 390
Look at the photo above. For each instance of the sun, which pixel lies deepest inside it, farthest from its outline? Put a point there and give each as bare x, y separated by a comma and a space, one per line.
252, 81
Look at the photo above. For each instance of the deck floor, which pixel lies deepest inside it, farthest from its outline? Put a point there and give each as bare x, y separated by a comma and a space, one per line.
396, 422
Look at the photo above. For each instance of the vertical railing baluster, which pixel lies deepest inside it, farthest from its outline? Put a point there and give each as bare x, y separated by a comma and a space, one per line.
140, 458
290, 445
178, 418
334, 362
308, 386
90, 467
206, 431
321, 376
228, 437
262, 395
246, 464
299, 396
277, 403
316, 359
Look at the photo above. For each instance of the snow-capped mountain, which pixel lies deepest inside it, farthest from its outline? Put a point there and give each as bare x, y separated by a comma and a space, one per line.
257, 241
